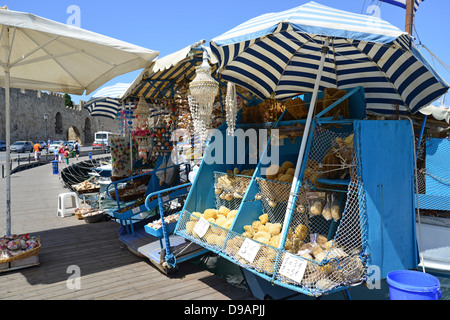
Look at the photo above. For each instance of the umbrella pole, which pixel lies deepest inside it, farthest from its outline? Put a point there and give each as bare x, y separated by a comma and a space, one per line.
8, 155
301, 153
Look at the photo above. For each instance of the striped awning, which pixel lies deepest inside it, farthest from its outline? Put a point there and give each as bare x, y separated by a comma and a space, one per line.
277, 55
159, 81
105, 102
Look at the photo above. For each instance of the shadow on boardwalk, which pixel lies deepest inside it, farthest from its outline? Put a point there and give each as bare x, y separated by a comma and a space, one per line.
108, 270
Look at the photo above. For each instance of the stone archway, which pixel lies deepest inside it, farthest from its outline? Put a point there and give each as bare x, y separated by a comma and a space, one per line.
73, 134
88, 137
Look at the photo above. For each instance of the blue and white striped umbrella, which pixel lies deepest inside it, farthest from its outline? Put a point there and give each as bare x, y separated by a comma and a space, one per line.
277, 55
105, 102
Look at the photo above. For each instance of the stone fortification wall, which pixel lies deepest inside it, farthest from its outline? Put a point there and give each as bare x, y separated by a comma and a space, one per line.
27, 118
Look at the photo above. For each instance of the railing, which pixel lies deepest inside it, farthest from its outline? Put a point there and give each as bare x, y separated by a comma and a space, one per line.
19, 162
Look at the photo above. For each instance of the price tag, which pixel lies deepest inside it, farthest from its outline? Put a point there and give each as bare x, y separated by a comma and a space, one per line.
201, 227
165, 198
249, 249
136, 210
293, 267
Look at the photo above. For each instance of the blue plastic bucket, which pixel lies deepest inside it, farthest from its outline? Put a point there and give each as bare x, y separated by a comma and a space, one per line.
413, 285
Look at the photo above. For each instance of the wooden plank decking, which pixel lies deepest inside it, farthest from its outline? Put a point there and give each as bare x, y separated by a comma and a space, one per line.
108, 269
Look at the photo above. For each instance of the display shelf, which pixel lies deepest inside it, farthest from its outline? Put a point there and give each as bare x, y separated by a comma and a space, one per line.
341, 182
316, 253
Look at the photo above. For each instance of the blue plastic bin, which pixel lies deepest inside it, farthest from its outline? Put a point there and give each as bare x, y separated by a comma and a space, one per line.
90, 155
413, 285
55, 167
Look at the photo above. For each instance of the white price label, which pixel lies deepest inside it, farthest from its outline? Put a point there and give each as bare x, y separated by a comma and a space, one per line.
293, 267
249, 249
201, 227
136, 210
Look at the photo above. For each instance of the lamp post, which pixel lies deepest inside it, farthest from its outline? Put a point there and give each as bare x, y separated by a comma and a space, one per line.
46, 134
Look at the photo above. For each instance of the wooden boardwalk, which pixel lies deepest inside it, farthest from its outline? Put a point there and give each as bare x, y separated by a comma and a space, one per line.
108, 270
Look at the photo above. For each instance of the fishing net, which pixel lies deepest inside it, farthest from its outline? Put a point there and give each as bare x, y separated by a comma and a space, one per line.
319, 250
230, 188
433, 176
216, 222
322, 250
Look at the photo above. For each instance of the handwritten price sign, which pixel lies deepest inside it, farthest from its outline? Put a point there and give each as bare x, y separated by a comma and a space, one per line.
249, 250
136, 210
293, 267
201, 227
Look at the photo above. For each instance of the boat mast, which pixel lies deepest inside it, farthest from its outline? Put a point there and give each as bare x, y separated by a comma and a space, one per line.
409, 16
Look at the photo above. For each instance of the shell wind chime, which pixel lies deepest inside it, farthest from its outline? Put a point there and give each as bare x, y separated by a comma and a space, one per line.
203, 91
142, 133
231, 105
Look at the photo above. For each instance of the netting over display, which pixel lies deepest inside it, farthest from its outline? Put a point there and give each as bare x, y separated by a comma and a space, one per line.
319, 250
230, 188
433, 178
325, 230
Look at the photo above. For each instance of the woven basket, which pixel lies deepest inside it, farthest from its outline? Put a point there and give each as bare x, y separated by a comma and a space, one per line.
93, 190
129, 197
94, 217
25, 254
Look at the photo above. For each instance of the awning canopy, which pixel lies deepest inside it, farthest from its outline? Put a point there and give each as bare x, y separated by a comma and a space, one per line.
159, 80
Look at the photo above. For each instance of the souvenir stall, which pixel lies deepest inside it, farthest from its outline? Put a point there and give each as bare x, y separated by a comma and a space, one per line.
164, 130
325, 231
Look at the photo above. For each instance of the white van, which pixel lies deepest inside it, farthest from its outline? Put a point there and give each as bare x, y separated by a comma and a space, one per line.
101, 139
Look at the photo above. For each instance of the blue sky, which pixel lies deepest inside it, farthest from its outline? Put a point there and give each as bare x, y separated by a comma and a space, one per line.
168, 26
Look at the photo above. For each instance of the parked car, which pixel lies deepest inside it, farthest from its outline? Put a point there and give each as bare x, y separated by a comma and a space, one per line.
21, 146
43, 144
54, 145
2, 146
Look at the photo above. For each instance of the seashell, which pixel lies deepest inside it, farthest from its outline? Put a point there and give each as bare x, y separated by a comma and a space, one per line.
258, 196
229, 197
272, 204
218, 190
301, 208
238, 195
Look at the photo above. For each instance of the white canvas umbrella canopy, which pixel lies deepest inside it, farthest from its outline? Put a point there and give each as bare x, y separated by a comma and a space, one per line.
40, 54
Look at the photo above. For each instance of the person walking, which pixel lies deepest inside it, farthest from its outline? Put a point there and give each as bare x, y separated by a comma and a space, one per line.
37, 151
76, 147
60, 153
66, 154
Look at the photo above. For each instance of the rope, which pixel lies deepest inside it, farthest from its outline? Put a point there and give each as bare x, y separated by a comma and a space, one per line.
446, 67
437, 178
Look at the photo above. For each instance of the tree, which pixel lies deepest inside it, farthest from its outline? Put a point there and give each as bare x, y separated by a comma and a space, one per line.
68, 101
